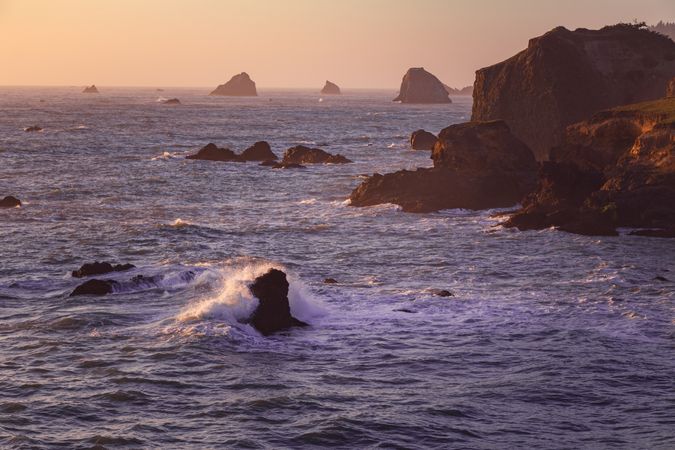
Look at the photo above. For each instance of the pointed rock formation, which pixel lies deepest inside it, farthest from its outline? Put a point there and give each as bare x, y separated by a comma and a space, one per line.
239, 86
330, 89
419, 86
273, 312
90, 90
260, 151
211, 152
565, 76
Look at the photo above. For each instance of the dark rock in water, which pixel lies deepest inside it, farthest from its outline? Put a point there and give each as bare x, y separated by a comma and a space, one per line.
305, 155
95, 287
330, 281
419, 86
660, 233
239, 86
273, 313
286, 165
10, 202
171, 101
260, 151
660, 278
159, 90
330, 89
99, 268
90, 90
212, 153
32, 129
405, 310
670, 88
444, 293
565, 76
422, 140
476, 166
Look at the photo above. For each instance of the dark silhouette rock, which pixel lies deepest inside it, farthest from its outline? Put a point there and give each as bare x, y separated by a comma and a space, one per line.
565, 76
171, 101
90, 90
260, 151
32, 129
100, 268
239, 86
211, 152
10, 202
330, 281
305, 155
405, 310
476, 166
670, 89
444, 293
422, 140
330, 89
273, 312
419, 86
95, 287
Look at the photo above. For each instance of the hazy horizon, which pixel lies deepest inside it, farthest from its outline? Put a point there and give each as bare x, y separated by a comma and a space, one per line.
296, 44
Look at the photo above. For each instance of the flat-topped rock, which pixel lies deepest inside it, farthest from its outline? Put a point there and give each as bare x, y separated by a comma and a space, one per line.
420, 86
239, 85
171, 101
306, 155
330, 89
90, 90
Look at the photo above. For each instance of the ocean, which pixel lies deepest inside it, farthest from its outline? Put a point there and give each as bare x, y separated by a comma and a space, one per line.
550, 340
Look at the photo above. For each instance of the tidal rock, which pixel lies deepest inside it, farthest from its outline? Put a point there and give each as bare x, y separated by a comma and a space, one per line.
660, 278
95, 287
171, 101
10, 202
100, 268
419, 86
32, 129
476, 166
305, 155
330, 89
273, 312
565, 76
90, 90
330, 281
260, 151
422, 140
239, 86
211, 152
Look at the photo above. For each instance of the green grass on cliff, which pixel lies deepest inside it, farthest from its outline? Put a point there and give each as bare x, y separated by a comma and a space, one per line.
664, 107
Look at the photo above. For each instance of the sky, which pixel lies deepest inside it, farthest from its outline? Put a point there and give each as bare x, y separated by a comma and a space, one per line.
281, 43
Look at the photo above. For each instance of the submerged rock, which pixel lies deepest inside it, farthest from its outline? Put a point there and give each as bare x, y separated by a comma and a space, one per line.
419, 86
171, 101
211, 152
100, 268
305, 155
330, 89
32, 129
260, 151
239, 86
565, 76
10, 202
422, 140
273, 312
90, 90
95, 287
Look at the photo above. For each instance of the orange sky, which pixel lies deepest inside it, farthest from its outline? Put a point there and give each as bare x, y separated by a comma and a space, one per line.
281, 43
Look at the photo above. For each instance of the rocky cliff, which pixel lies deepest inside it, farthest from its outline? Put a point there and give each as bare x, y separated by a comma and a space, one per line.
239, 86
565, 76
420, 86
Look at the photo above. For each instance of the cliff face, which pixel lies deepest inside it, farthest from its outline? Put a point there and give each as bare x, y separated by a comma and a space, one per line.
565, 76
239, 85
420, 86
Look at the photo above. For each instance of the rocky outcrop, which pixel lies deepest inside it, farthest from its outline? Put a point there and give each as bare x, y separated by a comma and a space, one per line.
171, 101
90, 90
306, 155
260, 151
477, 165
614, 170
330, 89
463, 92
239, 86
32, 129
211, 152
100, 268
95, 287
10, 202
273, 312
670, 89
565, 76
419, 86
422, 140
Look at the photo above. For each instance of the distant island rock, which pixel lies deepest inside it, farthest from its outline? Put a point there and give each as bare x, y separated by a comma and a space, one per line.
32, 129
239, 86
306, 155
463, 92
420, 86
477, 165
171, 101
330, 89
10, 202
565, 76
422, 140
90, 90
273, 313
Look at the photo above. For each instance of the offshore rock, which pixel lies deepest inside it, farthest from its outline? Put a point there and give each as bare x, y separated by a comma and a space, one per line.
273, 312
306, 155
420, 86
239, 86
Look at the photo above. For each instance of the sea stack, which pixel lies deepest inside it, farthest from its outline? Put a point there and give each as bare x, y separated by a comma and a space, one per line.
274, 312
90, 90
239, 86
420, 86
330, 89
565, 76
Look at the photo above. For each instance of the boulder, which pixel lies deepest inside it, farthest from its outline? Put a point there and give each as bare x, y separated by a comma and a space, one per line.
32, 129
171, 101
10, 202
422, 140
476, 166
211, 152
565, 76
260, 151
100, 268
95, 287
239, 86
330, 89
306, 155
419, 86
273, 312
90, 90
